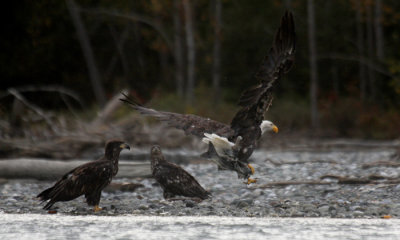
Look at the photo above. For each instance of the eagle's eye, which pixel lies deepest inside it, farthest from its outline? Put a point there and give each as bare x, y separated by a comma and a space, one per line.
155, 150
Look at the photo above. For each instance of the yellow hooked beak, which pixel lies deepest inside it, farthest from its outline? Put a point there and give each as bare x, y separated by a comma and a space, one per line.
124, 146
275, 129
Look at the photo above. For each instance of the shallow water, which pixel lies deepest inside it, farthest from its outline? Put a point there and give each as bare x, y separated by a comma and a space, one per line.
39, 226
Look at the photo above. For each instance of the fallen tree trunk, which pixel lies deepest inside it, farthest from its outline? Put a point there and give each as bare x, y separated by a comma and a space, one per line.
51, 170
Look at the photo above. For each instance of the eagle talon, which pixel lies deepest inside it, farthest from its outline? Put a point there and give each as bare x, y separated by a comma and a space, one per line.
251, 168
97, 208
250, 181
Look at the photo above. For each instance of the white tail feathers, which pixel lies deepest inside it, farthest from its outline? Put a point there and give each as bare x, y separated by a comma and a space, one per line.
220, 143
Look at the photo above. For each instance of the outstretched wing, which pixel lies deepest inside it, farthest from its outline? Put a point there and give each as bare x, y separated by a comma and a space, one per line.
191, 124
255, 101
278, 61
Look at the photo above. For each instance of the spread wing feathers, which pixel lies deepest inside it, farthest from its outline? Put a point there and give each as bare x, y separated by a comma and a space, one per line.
279, 60
176, 181
191, 124
88, 179
255, 101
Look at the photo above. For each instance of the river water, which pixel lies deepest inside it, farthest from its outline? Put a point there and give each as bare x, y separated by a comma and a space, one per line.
44, 226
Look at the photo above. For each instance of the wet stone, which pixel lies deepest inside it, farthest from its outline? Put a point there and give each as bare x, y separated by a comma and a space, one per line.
242, 203
153, 206
143, 207
324, 210
358, 214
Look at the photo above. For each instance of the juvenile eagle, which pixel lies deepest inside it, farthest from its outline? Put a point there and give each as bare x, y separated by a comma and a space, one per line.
88, 179
238, 140
173, 179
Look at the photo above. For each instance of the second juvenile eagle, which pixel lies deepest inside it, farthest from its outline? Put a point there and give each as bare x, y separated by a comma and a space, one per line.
174, 180
238, 140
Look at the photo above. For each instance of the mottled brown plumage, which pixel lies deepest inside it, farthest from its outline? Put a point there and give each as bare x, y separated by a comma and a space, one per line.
174, 180
88, 179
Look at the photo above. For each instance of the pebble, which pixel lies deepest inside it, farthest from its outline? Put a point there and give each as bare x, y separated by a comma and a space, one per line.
358, 214
324, 210
143, 207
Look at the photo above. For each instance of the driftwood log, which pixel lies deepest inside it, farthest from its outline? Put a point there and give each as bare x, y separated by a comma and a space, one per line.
51, 170
382, 163
123, 187
372, 179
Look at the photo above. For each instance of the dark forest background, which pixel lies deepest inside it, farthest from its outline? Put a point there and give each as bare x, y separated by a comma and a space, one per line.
198, 56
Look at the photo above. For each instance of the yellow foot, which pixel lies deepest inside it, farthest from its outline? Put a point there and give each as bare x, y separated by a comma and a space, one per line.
97, 208
249, 181
251, 168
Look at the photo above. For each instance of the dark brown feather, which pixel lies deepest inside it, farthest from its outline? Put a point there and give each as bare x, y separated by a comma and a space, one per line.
88, 179
173, 179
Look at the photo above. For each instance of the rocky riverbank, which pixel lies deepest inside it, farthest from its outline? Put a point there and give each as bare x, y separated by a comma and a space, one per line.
231, 197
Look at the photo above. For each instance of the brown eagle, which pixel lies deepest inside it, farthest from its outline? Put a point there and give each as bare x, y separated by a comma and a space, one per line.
88, 179
173, 179
235, 142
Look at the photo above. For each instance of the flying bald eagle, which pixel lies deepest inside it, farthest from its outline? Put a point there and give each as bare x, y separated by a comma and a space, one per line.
237, 141
173, 179
88, 179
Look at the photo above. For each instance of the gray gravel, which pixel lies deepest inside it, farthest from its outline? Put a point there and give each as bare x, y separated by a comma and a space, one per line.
233, 198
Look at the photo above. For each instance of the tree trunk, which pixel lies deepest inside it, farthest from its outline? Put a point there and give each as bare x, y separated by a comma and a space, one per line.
335, 80
141, 60
114, 59
370, 47
191, 51
87, 52
178, 49
120, 50
163, 56
360, 48
313, 65
52, 169
217, 51
378, 30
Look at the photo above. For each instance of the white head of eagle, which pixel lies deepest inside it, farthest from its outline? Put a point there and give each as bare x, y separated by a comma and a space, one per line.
267, 126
